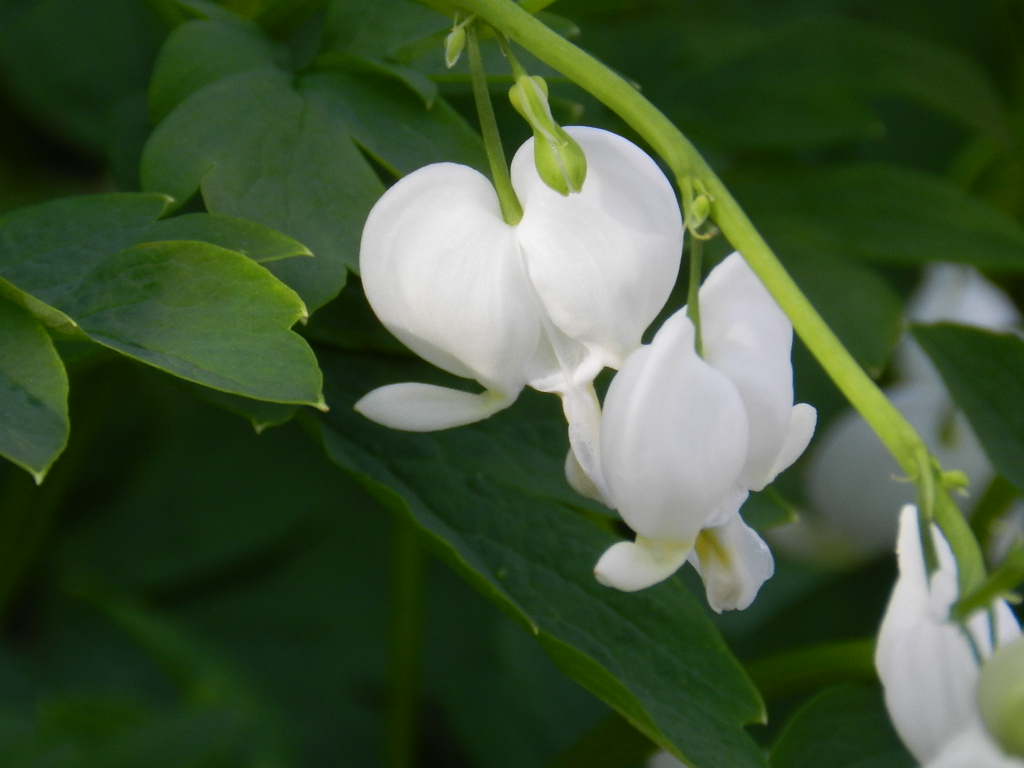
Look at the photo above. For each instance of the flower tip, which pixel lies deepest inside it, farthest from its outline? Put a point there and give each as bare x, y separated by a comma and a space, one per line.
630, 566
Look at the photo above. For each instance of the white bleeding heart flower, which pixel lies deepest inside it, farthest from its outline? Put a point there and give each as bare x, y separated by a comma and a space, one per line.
852, 479
547, 302
927, 665
684, 439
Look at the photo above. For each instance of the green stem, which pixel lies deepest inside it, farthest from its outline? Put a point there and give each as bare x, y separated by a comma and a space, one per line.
511, 210
408, 568
693, 290
622, 98
812, 668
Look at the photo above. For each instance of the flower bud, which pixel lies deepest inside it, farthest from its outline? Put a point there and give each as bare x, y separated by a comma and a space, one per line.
454, 44
560, 160
1001, 697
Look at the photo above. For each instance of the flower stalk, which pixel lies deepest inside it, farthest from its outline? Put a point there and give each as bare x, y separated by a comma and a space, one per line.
511, 209
686, 163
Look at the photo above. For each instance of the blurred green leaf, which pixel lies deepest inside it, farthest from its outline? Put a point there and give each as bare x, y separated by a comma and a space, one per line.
288, 152
259, 243
492, 503
984, 372
843, 727
881, 213
70, 63
33, 392
205, 313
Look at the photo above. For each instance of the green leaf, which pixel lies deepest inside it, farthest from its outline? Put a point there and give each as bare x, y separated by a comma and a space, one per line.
811, 82
286, 152
259, 243
33, 392
984, 372
201, 52
200, 311
203, 313
491, 501
70, 63
842, 727
885, 214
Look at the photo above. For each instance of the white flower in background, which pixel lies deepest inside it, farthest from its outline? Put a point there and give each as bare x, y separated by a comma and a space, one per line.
683, 440
852, 479
927, 665
547, 302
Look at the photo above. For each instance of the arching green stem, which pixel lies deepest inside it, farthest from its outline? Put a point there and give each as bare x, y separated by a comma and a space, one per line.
683, 159
511, 210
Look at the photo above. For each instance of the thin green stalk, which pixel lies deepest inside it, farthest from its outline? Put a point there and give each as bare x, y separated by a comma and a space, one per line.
693, 290
407, 590
511, 210
622, 98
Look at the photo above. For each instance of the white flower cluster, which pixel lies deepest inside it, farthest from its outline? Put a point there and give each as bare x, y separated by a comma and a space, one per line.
929, 665
569, 290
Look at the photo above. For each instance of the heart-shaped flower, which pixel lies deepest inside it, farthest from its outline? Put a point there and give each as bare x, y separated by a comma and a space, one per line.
684, 439
547, 302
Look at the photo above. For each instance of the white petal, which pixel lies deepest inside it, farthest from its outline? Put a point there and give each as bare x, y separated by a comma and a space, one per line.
853, 480
604, 259
926, 664
632, 566
578, 479
442, 271
974, 748
583, 413
749, 339
673, 437
734, 562
802, 420
417, 407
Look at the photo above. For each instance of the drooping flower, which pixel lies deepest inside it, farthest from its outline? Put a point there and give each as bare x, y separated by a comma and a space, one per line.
852, 478
547, 302
929, 667
684, 439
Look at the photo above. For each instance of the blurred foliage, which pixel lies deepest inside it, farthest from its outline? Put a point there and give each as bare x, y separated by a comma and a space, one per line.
184, 592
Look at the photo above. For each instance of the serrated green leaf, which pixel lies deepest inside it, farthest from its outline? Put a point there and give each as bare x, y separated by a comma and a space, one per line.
33, 392
491, 501
203, 313
282, 150
882, 213
984, 372
842, 727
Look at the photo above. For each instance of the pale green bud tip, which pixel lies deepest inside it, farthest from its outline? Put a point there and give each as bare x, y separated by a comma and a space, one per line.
454, 44
1001, 697
560, 160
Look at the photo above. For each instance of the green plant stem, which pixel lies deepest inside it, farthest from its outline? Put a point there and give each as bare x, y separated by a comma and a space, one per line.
809, 669
683, 159
693, 290
511, 210
408, 569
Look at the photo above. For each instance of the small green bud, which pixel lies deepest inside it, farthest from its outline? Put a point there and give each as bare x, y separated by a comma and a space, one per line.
560, 160
701, 209
454, 44
1001, 697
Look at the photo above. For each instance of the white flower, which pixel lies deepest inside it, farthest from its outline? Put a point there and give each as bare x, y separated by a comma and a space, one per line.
547, 302
852, 479
927, 665
683, 440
